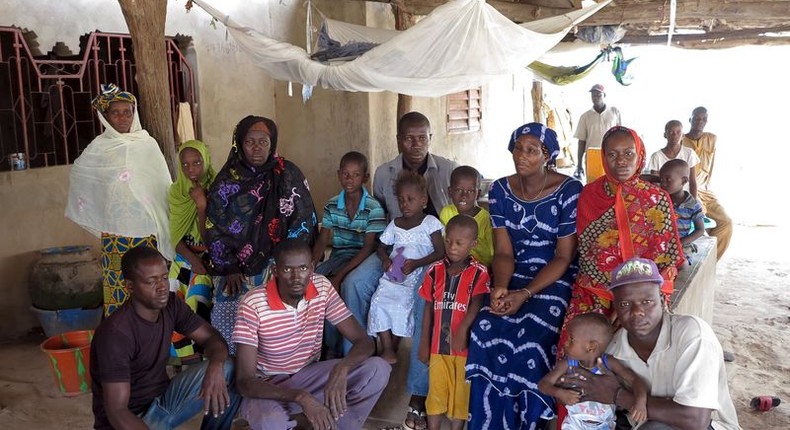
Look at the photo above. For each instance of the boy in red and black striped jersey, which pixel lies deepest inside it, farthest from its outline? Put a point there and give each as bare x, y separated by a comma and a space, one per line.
455, 286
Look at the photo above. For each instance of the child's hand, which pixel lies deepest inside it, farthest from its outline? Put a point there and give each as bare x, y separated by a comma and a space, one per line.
409, 266
198, 195
386, 263
424, 353
638, 412
568, 397
460, 340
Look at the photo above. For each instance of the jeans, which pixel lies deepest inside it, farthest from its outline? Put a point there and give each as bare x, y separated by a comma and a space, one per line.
180, 402
417, 378
357, 289
329, 267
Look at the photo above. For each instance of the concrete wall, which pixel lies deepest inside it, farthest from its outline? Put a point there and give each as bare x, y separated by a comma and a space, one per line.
314, 134
33, 203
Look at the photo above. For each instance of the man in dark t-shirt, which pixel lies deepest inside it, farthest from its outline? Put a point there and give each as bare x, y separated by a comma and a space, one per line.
129, 352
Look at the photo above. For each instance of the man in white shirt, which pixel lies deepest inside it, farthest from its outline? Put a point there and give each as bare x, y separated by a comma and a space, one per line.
677, 355
593, 124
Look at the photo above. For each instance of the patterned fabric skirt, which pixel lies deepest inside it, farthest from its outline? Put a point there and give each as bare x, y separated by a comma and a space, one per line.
223, 312
196, 291
113, 248
508, 356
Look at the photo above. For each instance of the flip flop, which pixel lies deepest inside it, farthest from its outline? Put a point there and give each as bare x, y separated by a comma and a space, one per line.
765, 403
419, 419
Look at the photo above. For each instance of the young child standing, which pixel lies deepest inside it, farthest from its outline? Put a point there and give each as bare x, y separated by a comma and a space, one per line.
352, 220
464, 190
414, 240
673, 132
588, 336
674, 174
455, 286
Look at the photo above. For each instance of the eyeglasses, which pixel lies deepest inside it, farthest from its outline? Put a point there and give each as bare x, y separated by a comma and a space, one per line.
462, 191
412, 138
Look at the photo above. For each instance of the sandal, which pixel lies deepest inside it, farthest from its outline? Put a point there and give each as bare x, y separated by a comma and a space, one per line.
419, 421
765, 403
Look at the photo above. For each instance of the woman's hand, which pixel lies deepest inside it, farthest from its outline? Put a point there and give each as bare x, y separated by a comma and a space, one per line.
386, 263
511, 303
496, 298
233, 283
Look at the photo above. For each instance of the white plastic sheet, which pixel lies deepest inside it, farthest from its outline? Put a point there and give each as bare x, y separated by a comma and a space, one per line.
460, 45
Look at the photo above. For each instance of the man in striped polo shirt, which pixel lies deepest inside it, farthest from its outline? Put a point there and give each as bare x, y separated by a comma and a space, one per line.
279, 334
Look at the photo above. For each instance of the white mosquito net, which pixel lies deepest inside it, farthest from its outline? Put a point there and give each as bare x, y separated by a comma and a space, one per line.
459, 45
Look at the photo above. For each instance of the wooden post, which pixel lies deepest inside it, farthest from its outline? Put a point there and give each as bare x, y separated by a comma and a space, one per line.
537, 101
403, 21
146, 22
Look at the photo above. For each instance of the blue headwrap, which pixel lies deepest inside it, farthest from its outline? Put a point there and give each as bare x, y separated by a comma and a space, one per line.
545, 135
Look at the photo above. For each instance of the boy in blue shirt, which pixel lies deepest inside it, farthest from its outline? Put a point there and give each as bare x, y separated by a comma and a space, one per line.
351, 223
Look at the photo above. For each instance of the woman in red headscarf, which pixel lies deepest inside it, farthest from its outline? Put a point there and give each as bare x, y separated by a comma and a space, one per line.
619, 217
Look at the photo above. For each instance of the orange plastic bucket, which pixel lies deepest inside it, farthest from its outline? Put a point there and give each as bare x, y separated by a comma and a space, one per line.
69, 358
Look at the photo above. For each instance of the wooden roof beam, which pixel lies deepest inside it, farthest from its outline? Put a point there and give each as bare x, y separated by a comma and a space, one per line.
705, 13
517, 12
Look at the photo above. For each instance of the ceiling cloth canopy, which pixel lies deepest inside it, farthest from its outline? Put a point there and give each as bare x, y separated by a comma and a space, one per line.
459, 45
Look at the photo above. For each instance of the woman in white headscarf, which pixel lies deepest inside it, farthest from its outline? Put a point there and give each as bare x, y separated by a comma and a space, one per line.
118, 189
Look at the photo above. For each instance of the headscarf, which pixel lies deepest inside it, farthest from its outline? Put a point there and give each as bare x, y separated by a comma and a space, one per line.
545, 135
119, 185
110, 93
183, 212
645, 223
251, 209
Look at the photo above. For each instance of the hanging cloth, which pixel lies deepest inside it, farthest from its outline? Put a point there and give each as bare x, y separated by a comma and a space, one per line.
461, 44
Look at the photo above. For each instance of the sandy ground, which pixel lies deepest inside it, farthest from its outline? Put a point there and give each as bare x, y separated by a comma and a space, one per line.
751, 318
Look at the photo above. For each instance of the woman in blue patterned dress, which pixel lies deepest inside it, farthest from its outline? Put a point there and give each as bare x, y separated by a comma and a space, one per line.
513, 340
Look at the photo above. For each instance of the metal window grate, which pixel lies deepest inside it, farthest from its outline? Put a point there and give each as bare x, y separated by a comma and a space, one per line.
45, 110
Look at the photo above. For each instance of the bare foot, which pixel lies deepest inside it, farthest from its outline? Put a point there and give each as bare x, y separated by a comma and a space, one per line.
389, 356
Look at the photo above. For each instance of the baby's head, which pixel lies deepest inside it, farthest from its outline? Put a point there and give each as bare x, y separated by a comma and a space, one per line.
412, 193
460, 237
588, 336
464, 188
674, 174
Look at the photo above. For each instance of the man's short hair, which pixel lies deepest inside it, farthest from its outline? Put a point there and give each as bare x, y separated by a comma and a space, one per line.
355, 157
462, 221
291, 246
465, 172
413, 119
132, 258
699, 110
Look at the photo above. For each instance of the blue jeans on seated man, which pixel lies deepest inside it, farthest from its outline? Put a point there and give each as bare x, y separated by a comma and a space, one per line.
180, 402
358, 288
328, 267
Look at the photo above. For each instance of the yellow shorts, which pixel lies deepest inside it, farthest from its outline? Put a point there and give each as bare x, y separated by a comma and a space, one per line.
593, 164
448, 392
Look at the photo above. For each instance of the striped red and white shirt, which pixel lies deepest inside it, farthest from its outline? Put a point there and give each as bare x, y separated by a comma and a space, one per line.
287, 338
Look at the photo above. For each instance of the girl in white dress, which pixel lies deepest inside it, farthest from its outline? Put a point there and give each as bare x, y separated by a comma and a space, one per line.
408, 245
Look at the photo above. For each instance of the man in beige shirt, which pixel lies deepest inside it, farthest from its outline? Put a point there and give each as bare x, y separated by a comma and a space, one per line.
704, 144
